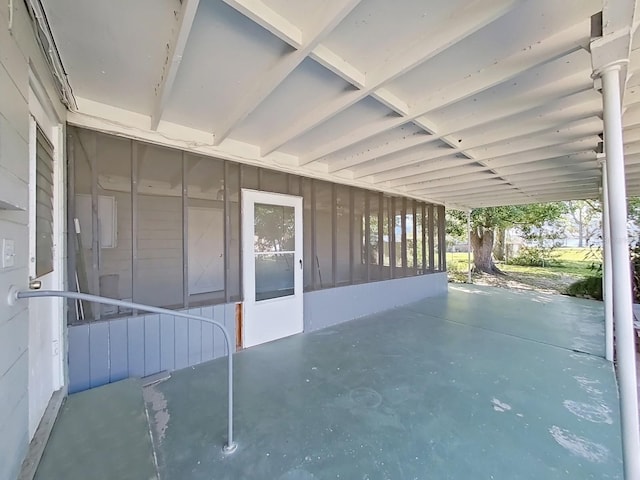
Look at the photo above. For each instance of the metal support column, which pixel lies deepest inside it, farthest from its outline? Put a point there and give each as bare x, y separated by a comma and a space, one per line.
607, 277
622, 297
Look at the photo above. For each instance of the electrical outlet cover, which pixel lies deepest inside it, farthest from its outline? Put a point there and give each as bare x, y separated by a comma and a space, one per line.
8, 253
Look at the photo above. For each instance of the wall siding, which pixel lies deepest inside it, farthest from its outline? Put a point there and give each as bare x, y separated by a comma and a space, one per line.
106, 351
18, 50
324, 308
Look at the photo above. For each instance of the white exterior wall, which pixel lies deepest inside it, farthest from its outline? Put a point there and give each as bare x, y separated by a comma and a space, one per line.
18, 50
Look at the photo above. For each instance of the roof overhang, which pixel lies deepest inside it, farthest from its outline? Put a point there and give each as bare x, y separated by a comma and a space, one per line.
466, 103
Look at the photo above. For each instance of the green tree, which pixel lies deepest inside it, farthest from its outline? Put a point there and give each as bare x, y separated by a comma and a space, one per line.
485, 221
584, 220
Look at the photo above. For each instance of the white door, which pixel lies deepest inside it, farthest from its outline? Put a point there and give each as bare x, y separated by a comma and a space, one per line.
46, 216
272, 266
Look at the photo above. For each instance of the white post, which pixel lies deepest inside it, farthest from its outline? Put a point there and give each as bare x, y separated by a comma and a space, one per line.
607, 278
469, 280
622, 296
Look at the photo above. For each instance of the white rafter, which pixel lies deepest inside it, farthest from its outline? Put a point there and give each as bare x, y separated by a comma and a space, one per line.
539, 124
270, 80
270, 20
474, 16
545, 51
176, 48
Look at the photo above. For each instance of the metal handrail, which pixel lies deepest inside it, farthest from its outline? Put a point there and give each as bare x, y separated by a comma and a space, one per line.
230, 446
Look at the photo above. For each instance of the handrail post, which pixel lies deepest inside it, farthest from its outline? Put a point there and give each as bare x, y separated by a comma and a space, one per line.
230, 446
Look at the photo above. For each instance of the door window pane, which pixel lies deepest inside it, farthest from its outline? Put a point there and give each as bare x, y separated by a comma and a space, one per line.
274, 228
274, 244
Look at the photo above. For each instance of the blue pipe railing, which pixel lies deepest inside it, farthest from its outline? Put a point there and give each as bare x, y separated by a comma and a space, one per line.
230, 446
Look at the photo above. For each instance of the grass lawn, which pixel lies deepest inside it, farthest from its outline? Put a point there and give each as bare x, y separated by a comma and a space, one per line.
569, 265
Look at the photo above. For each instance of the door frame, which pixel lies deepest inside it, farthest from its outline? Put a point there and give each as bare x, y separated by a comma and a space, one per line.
43, 115
273, 308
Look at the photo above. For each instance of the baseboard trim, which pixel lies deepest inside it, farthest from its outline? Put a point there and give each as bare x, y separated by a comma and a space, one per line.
41, 437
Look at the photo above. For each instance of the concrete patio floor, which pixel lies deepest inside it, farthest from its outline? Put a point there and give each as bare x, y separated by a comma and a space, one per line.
484, 383
481, 384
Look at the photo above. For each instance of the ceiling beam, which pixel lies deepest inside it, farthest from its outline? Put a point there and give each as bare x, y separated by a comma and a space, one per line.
488, 147
574, 166
515, 197
338, 65
545, 51
467, 187
270, 20
589, 128
387, 148
175, 48
449, 172
528, 151
529, 200
548, 178
544, 186
452, 179
271, 79
427, 165
581, 106
580, 147
531, 92
469, 20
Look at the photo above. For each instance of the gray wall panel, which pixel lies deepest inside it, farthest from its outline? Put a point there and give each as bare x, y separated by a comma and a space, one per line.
118, 350
135, 347
99, 354
167, 343
181, 343
226, 315
195, 338
111, 350
324, 308
79, 358
151, 344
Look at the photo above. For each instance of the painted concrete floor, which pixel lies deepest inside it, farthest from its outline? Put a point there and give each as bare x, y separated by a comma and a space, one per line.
482, 384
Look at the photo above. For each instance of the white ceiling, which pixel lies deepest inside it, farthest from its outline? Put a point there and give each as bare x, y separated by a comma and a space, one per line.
467, 103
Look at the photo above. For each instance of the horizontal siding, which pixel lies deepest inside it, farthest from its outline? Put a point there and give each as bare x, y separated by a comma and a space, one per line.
18, 52
110, 350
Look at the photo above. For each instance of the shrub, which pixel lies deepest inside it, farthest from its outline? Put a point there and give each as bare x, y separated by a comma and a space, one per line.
590, 287
635, 270
535, 257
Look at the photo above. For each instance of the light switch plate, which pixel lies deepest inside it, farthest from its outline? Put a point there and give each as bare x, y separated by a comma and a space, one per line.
8, 253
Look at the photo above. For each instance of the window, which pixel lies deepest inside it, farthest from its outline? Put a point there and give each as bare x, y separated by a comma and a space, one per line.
44, 205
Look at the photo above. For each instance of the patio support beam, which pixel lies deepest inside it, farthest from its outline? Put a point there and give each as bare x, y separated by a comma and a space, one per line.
273, 78
472, 18
607, 287
622, 300
551, 48
174, 57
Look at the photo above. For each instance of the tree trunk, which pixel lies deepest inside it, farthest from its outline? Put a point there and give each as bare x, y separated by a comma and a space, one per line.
482, 245
580, 230
500, 244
